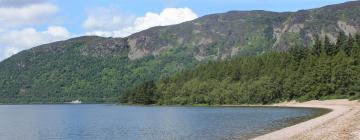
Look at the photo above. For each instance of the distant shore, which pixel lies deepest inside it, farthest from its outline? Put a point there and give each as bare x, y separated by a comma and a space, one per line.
342, 123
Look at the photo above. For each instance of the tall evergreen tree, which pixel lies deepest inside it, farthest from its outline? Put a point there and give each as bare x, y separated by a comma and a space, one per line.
329, 49
357, 38
349, 44
298, 52
355, 53
317, 48
340, 42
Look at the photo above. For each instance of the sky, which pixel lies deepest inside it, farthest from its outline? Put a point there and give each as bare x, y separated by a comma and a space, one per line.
27, 23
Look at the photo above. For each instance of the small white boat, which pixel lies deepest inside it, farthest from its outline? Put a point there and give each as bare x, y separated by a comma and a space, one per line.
76, 102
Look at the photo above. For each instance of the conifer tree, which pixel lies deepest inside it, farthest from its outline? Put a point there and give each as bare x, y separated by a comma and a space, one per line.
340, 43
328, 46
357, 38
317, 49
347, 48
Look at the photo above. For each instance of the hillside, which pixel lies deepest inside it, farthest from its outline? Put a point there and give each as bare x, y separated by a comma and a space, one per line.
97, 69
323, 71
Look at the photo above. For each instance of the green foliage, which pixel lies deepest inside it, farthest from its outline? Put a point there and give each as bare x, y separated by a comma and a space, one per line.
143, 94
340, 43
317, 48
62, 77
299, 74
329, 47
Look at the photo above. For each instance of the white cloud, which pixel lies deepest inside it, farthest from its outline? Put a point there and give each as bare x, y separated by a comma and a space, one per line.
17, 40
100, 33
25, 15
120, 26
57, 32
168, 16
16, 20
18, 3
107, 19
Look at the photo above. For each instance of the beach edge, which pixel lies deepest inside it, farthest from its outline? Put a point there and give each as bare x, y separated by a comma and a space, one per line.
342, 122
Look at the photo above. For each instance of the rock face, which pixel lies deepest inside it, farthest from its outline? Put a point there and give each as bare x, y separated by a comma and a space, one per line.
217, 35
88, 45
159, 51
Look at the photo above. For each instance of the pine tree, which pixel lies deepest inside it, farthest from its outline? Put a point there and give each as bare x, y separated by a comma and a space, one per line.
317, 49
298, 52
340, 43
355, 53
349, 44
357, 38
328, 46
236, 75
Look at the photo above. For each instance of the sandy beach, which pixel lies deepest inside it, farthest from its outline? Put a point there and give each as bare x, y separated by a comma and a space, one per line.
342, 123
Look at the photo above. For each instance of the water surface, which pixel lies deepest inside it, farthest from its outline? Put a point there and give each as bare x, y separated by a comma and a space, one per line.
99, 122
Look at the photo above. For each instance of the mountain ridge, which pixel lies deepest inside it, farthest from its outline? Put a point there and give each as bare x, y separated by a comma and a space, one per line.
97, 68
130, 39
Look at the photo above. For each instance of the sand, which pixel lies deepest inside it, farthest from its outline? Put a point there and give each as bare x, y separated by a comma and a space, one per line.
342, 123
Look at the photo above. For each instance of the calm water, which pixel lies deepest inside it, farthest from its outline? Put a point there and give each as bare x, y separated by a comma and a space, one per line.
99, 122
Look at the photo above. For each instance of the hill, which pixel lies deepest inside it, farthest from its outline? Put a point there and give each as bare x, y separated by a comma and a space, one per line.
323, 71
97, 69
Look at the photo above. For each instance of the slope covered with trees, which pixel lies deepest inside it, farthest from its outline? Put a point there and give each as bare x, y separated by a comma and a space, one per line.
98, 69
59, 76
325, 70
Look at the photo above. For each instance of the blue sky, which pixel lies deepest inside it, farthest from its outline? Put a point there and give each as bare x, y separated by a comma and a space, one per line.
28, 23
74, 11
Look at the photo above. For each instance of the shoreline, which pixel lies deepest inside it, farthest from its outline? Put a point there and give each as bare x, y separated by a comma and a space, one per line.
342, 122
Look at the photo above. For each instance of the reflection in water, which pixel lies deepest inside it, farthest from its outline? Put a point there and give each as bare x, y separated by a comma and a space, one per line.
76, 122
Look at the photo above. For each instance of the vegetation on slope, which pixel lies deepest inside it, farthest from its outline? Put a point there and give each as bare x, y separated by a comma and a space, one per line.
63, 77
323, 71
97, 69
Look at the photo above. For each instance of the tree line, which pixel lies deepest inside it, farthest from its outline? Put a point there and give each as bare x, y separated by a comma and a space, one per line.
326, 70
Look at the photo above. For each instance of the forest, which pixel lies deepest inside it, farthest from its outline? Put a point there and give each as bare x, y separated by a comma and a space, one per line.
326, 70
65, 76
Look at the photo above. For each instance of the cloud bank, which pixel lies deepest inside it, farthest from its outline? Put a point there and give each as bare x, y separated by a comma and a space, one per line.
26, 15
15, 18
17, 40
116, 25
18, 3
